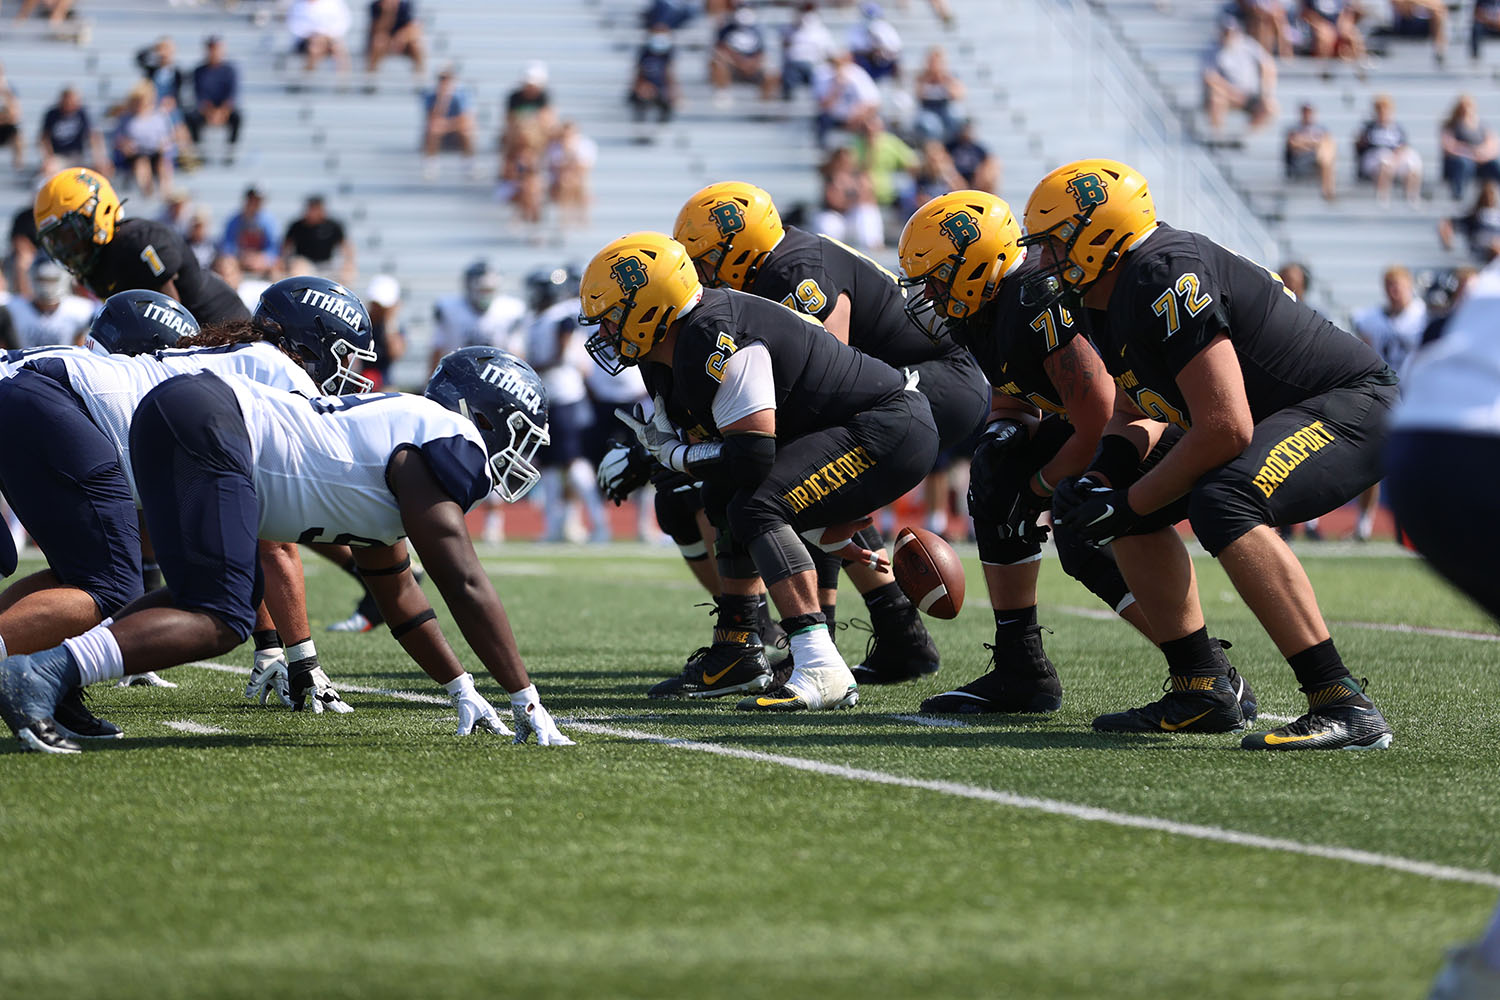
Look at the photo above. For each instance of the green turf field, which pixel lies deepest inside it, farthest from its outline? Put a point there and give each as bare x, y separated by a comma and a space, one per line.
375, 854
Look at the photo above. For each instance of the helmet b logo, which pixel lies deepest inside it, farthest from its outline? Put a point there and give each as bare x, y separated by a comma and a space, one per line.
629, 273
729, 217
1088, 190
961, 228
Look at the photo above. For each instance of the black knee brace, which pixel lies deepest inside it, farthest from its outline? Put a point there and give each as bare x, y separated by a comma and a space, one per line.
677, 515
779, 554
1093, 567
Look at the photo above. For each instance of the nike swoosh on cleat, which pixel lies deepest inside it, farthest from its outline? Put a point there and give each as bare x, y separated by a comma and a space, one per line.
709, 678
1172, 727
767, 702
1274, 740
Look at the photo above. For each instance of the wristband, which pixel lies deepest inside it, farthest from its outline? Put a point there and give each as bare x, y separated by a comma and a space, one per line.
1045, 490
416, 621
1116, 460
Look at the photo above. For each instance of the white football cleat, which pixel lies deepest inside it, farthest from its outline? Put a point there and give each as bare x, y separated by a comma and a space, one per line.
354, 623
148, 679
809, 689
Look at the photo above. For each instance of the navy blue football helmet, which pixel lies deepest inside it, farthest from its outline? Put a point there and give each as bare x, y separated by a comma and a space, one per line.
507, 402
545, 288
139, 322
321, 324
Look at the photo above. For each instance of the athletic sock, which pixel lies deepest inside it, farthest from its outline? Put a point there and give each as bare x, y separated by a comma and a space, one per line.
886, 598
1319, 667
1194, 655
1012, 625
96, 657
813, 647
830, 618
739, 617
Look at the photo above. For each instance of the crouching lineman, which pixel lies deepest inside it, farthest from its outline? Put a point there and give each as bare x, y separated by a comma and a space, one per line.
798, 431
737, 240
1283, 418
215, 457
962, 257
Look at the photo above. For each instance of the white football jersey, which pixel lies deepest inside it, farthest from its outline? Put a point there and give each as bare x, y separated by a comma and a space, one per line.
62, 325
112, 386
456, 324
1454, 383
11, 361
320, 463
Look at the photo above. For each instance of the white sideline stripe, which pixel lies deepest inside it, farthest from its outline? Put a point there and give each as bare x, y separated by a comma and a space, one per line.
1091, 814
196, 728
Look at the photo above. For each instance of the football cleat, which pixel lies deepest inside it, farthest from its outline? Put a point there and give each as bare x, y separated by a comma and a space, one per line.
72, 719
148, 679
735, 663
815, 689
356, 622
30, 687
1009, 688
1339, 717
1466, 976
899, 649
1191, 705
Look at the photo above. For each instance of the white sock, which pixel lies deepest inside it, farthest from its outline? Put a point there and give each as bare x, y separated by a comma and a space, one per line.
1489, 945
813, 647
97, 654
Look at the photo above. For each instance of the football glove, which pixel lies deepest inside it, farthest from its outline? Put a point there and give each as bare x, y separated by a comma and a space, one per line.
624, 469
531, 717
269, 677
1002, 435
474, 708
1096, 513
324, 698
656, 435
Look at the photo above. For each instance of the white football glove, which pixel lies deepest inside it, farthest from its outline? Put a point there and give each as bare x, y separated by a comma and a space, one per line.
269, 677
531, 717
656, 435
320, 692
473, 707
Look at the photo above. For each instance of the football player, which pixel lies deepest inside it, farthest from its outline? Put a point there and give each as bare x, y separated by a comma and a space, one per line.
219, 461
80, 225
964, 264
801, 436
1283, 418
737, 240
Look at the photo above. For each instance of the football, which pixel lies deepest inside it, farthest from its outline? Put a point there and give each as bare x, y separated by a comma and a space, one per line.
928, 572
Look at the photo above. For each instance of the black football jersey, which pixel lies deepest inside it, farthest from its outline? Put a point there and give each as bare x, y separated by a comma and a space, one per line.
148, 254
820, 382
808, 273
1011, 341
1180, 290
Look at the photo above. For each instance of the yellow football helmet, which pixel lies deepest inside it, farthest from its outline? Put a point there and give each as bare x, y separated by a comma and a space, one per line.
633, 290
954, 252
728, 228
1085, 215
76, 211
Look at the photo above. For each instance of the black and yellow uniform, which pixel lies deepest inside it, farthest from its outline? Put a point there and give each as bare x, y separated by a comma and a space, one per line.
1318, 395
808, 273
148, 254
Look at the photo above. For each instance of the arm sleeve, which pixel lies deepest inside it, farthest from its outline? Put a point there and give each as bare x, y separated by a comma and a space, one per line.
749, 385
460, 467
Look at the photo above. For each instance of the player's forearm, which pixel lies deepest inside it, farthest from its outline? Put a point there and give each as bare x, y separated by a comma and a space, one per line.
1199, 450
482, 619
286, 592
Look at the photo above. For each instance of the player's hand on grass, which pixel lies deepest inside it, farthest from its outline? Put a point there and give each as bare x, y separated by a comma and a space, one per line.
269, 677
473, 708
531, 717
314, 689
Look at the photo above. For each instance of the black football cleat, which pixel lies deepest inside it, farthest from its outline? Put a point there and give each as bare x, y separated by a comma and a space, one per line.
1243, 692
1030, 686
72, 718
734, 664
899, 650
1190, 705
1339, 717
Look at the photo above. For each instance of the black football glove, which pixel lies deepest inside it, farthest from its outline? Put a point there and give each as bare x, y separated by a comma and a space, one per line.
1094, 512
1001, 436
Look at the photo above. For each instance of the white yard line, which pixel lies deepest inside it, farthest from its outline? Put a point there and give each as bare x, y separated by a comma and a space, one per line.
1072, 810
196, 728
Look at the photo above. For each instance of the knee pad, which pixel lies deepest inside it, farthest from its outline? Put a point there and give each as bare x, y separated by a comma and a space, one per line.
1221, 509
998, 551
1093, 567
995, 479
828, 565
677, 515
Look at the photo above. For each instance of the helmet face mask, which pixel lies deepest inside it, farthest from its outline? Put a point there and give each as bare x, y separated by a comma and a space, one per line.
633, 291
506, 401
955, 251
322, 325
75, 213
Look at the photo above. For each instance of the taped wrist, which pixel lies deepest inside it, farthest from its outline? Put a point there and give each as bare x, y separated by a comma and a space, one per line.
1116, 460
779, 554
413, 623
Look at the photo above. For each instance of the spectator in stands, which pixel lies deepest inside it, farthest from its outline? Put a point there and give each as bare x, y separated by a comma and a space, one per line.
569, 158
23, 249
251, 236
1480, 225
523, 180
143, 140
669, 14
1486, 24
68, 137
849, 212
1295, 278
1421, 19
1239, 75
383, 300
10, 123
200, 238
177, 211
1470, 148
49, 313
655, 81
1334, 27
394, 31
884, 157
57, 11
216, 91
248, 288
317, 237
933, 175
158, 62
1384, 154
1310, 151
1394, 330
319, 29
806, 45
938, 90
845, 93
530, 101
1272, 23
448, 123
980, 170
739, 54
875, 44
